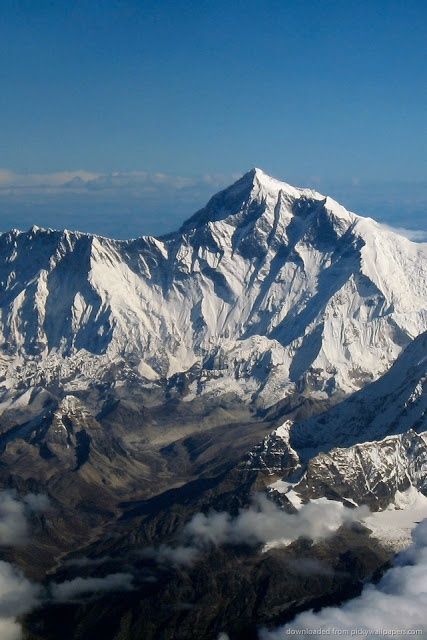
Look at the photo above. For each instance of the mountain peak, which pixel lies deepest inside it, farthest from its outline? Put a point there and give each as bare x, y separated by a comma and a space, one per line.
238, 200
273, 281
257, 177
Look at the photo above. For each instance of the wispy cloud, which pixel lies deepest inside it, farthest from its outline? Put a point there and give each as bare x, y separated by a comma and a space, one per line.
72, 589
81, 180
266, 523
416, 235
396, 604
14, 512
126, 204
173, 556
263, 522
10, 180
17, 594
116, 204
87, 562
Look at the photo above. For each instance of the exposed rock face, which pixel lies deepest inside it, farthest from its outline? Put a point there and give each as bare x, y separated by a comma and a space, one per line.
382, 436
369, 473
274, 455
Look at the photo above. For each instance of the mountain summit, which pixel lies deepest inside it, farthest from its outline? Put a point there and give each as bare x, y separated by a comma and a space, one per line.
235, 200
267, 289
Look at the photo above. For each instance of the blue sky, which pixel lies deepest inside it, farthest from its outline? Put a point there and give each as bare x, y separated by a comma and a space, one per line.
162, 103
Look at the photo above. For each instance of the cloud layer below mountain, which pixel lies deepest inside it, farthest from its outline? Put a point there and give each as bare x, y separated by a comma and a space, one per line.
118, 204
397, 605
71, 589
17, 594
262, 523
133, 203
14, 513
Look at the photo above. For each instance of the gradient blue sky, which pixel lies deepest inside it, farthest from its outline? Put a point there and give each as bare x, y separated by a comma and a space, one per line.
156, 105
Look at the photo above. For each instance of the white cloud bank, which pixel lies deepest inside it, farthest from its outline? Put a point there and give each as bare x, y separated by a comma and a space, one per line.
396, 606
263, 522
13, 520
115, 204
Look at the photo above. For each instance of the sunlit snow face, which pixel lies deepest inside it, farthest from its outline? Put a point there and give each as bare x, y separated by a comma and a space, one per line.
273, 286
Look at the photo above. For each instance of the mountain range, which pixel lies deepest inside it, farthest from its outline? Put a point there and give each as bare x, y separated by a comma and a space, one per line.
267, 289
276, 345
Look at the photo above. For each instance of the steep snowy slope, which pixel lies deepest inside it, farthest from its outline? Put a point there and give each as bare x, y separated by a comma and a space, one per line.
394, 404
265, 288
365, 450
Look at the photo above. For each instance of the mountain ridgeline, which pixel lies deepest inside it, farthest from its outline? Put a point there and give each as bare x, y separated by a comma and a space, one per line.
269, 354
267, 289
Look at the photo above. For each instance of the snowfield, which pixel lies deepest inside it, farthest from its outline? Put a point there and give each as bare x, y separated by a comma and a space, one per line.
267, 288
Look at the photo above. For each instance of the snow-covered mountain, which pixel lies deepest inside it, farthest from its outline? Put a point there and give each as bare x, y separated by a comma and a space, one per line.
394, 404
367, 449
368, 473
137, 377
268, 288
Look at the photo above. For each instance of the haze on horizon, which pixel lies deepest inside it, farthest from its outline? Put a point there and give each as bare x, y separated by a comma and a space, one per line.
122, 118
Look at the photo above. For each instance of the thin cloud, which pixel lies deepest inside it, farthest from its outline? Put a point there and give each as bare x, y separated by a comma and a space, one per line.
36, 502
14, 512
87, 562
416, 235
17, 596
262, 523
17, 181
82, 180
309, 567
13, 520
117, 204
10, 629
133, 203
397, 605
173, 556
71, 589
266, 523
